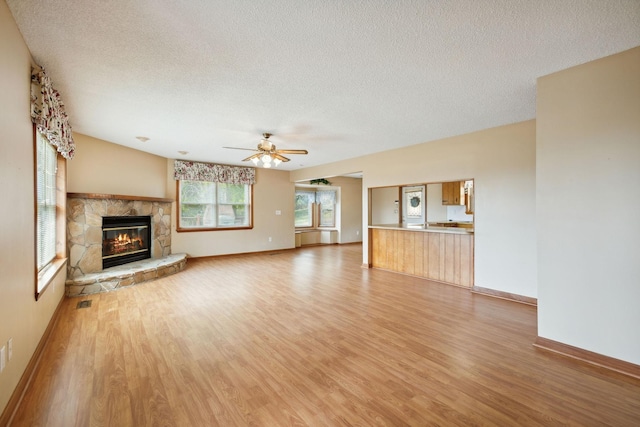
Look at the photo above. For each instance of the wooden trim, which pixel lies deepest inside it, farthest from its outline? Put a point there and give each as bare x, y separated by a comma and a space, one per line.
35, 215
46, 276
310, 245
366, 265
192, 230
18, 393
505, 295
180, 229
116, 197
269, 252
590, 357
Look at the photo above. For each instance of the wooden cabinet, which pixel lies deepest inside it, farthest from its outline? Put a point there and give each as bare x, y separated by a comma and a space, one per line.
453, 193
444, 257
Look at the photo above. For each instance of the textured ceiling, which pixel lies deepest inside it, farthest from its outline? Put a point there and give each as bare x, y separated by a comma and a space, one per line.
338, 78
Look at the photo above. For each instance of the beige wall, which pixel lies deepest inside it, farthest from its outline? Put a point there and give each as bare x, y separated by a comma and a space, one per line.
350, 212
384, 209
273, 191
106, 168
21, 317
144, 174
588, 180
502, 162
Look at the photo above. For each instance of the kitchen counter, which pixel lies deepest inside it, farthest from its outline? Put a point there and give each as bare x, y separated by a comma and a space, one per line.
424, 227
444, 254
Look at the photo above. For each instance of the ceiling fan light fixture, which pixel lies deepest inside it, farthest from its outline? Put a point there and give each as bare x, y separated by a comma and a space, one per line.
266, 153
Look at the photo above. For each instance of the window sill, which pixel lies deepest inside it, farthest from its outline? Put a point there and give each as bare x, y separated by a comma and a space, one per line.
46, 276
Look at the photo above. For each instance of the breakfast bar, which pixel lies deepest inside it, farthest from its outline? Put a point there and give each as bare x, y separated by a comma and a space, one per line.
442, 252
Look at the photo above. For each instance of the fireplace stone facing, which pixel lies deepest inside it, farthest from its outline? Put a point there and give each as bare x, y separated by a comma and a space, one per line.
84, 236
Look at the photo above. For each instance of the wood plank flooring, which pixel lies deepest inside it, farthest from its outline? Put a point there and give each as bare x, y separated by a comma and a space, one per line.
307, 337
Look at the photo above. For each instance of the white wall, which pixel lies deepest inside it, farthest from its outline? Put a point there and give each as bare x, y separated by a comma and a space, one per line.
21, 317
502, 162
436, 211
458, 213
588, 183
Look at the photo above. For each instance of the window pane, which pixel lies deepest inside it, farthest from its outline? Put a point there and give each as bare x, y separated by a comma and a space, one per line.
233, 194
233, 205
326, 197
414, 204
197, 204
327, 201
214, 205
45, 201
304, 208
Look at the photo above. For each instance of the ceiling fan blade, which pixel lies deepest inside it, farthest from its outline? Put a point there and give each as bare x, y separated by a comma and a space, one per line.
238, 148
278, 156
293, 151
252, 157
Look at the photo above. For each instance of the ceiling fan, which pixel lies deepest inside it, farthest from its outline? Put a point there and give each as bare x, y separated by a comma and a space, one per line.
267, 153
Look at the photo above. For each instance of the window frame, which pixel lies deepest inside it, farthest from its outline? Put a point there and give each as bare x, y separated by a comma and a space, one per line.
45, 274
319, 209
182, 229
316, 209
45, 201
312, 210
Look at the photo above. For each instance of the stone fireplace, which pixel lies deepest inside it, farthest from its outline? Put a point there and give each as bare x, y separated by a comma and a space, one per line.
85, 213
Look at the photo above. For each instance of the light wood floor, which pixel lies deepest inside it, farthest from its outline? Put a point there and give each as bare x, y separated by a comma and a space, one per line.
307, 337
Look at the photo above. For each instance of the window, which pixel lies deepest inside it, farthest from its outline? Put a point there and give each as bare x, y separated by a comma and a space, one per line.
46, 160
205, 205
315, 208
304, 208
327, 205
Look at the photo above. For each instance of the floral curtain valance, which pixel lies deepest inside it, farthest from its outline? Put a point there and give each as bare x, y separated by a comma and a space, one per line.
47, 112
196, 171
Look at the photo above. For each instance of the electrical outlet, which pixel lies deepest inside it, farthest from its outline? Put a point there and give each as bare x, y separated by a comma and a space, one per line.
357, 232
2, 359
278, 212
269, 238
10, 348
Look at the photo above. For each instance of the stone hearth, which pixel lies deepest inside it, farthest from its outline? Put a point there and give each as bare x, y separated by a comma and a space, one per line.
84, 239
121, 276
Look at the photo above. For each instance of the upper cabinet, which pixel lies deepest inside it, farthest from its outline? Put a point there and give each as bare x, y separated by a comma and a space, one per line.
453, 193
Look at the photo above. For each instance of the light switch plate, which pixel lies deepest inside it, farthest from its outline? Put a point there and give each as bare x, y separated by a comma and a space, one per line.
10, 348
278, 212
2, 359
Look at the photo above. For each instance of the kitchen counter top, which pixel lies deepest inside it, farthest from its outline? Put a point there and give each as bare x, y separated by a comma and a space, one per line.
424, 228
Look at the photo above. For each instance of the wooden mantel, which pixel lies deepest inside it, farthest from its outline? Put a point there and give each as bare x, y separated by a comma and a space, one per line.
115, 197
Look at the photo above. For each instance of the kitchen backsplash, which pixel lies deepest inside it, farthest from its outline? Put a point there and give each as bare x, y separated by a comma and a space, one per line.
456, 213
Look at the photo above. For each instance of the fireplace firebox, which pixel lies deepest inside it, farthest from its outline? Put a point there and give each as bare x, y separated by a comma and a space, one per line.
125, 239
